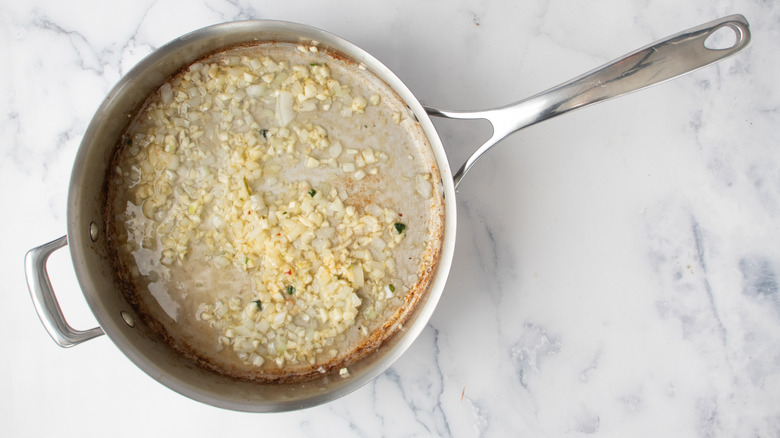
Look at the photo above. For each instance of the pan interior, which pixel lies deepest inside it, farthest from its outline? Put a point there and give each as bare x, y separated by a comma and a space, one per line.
217, 199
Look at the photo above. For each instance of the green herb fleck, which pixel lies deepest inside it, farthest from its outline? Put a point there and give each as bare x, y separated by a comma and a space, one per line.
258, 304
246, 259
314, 64
312, 192
392, 288
290, 290
400, 227
264, 133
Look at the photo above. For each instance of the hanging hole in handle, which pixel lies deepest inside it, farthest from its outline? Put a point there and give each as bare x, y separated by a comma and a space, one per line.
724, 38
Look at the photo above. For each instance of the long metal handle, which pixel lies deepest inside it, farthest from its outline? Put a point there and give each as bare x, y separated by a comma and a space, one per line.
45, 301
658, 62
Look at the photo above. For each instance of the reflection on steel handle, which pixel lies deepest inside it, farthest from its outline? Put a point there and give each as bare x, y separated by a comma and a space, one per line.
663, 60
46, 302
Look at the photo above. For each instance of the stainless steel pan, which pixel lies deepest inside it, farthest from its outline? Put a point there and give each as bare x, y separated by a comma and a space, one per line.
658, 62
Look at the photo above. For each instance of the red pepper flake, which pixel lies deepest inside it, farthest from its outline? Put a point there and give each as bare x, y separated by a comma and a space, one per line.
278, 234
289, 272
400, 215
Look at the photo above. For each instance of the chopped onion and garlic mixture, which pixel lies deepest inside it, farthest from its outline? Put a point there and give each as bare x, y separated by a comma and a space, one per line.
256, 201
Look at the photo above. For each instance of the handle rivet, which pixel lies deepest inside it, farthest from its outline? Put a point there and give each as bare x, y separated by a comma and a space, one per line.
93, 231
127, 318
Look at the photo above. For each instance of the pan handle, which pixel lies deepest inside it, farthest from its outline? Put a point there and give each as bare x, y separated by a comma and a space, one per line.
658, 62
45, 301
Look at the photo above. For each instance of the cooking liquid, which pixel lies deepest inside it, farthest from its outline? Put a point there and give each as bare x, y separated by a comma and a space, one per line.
173, 290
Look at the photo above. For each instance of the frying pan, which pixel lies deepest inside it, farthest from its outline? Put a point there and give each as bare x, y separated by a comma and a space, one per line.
86, 237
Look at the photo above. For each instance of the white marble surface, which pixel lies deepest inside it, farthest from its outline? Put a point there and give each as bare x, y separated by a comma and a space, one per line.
616, 270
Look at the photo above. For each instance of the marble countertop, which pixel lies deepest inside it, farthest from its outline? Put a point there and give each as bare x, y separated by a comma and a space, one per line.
616, 269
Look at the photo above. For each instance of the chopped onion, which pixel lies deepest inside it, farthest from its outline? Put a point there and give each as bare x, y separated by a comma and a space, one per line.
423, 186
284, 108
166, 93
357, 270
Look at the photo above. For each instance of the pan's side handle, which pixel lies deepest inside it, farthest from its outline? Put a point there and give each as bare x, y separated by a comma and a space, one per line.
658, 62
45, 301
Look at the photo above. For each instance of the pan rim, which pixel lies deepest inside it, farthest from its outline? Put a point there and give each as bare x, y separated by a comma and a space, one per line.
78, 223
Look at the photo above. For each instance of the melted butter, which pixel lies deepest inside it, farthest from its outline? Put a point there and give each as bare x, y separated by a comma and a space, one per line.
165, 299
171, 293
